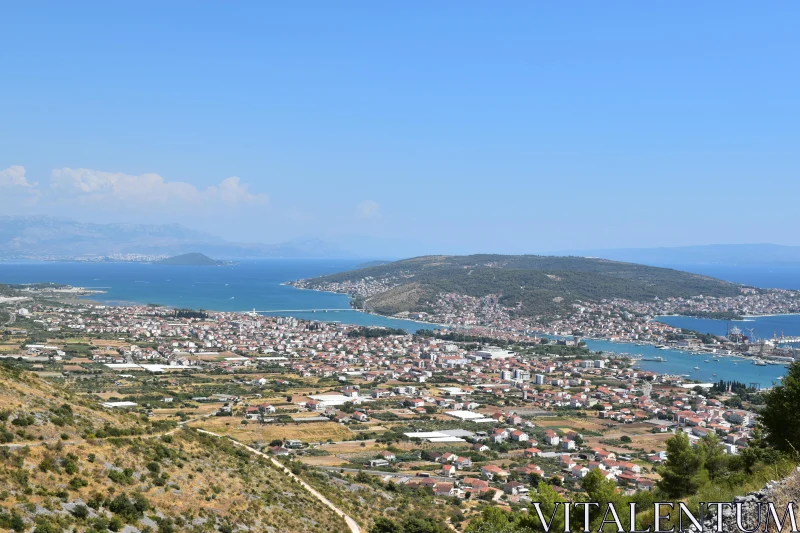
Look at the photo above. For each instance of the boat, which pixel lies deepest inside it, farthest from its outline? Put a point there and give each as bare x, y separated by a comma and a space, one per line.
697, 368
706, 361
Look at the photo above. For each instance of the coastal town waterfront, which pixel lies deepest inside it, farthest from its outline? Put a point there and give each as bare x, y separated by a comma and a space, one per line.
261, 285
476, 414
426, 389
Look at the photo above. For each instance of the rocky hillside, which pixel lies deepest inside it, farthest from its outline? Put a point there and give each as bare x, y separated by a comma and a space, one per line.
779, 492
70, 465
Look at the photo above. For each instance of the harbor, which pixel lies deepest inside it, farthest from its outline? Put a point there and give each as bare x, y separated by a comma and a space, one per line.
690, 366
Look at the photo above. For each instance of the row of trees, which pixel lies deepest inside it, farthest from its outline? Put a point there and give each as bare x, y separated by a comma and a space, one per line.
191, 313
371, 333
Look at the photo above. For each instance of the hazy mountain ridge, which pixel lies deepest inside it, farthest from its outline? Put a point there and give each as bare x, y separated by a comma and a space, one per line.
42, 237
727, 254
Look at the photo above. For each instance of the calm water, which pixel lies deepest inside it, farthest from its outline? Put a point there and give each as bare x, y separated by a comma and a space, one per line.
257, 285
249, 285
681, 363
762, 326
763, 276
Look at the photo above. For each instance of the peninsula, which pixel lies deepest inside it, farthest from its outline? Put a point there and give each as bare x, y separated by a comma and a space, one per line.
564, 296
540, 287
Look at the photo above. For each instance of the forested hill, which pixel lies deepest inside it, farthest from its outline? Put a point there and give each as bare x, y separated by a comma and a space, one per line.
195, 259
543, 284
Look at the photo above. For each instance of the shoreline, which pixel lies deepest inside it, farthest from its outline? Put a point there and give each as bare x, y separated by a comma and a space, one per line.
612, 347
373, 313
743, 319
124, 303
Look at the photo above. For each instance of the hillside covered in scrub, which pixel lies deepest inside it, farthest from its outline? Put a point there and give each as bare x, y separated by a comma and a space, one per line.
67, 464
536, 285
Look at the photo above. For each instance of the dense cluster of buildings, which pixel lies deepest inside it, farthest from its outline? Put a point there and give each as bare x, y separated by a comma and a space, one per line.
480, 379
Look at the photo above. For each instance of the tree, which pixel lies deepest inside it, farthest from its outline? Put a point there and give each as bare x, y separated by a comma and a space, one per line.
603, 491
714, 458
385, 525
493, 520
548, 500
683, 474
46, 527
779, 415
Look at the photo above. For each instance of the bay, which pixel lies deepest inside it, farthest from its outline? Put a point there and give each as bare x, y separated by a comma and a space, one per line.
728, 368
764, 327
246, 286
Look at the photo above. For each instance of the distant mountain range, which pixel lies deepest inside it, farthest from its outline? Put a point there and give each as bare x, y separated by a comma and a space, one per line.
50, 238
43, 237
711, 254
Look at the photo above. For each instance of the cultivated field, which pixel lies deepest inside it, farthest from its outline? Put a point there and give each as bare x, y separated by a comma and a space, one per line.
306, 431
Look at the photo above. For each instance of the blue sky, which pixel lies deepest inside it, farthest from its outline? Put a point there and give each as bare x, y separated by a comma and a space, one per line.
454, 127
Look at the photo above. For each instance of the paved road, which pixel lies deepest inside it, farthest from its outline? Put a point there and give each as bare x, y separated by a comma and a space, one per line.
352, 524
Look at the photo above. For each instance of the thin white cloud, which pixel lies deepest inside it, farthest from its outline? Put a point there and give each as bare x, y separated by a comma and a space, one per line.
96, 186
369, 209
14, 176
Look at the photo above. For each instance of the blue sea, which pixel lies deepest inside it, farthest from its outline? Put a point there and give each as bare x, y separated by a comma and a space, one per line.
244, 287
684, 363
259, 285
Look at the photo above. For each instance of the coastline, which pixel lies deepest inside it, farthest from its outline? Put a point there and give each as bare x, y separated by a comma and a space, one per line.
373, 313
743, 319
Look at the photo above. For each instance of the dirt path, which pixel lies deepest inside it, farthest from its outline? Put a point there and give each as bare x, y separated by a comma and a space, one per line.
352, 524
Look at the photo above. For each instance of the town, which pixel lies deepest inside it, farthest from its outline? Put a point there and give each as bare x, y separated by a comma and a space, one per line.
616, 320
463, 419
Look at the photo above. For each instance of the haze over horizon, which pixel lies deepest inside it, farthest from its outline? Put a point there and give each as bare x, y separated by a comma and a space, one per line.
458, 130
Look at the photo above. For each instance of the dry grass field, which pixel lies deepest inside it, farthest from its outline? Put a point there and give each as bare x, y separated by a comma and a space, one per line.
570, 424
252, 432
62, 450
9, 348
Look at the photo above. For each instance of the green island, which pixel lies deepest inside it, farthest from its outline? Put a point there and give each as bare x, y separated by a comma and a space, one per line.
194, 259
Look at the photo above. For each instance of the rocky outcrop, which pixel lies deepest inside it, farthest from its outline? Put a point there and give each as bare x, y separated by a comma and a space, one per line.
755, 513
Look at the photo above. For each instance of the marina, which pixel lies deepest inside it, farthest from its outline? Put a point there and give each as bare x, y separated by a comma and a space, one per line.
684, 363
